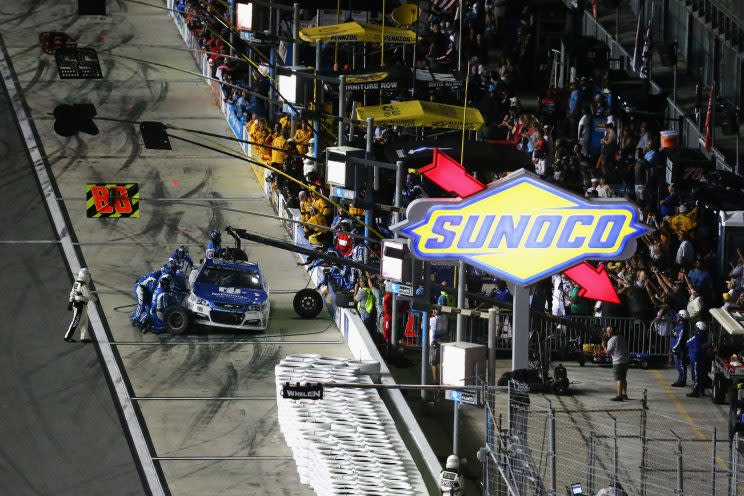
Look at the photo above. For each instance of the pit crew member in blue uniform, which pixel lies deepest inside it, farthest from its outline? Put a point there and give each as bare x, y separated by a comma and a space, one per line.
143, 290
214, 250
161, 300
182, 259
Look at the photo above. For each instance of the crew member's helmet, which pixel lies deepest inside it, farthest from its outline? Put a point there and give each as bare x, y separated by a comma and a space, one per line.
215, 236
83, 275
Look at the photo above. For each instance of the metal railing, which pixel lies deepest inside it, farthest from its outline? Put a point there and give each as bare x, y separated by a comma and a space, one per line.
536, 451
565, 338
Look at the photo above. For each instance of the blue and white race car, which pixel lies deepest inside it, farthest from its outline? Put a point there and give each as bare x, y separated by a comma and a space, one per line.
230, 294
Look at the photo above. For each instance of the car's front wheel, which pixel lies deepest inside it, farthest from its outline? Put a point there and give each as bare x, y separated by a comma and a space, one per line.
177, 320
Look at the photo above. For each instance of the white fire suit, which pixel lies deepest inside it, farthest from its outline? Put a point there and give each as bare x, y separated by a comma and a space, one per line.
80, 295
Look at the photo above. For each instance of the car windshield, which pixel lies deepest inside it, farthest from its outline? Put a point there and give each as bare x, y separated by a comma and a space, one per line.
230, 277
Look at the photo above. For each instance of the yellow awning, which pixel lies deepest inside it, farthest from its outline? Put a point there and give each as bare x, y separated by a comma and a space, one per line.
358, 31
424, 114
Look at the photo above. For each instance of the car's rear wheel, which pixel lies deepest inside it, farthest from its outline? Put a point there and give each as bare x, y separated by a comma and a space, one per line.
177, 320
308, 303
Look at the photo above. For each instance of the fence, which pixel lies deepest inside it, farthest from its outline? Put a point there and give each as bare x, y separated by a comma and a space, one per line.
538, 450
562, 337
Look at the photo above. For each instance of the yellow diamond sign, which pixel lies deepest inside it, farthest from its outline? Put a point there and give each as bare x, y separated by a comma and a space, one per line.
522, 229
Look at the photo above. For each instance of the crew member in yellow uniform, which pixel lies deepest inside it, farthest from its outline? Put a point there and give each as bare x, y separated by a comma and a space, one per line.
315, 234
286, 122
302, 137
277, 154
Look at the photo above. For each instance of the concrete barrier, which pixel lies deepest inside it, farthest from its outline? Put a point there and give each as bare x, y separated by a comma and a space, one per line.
362, 347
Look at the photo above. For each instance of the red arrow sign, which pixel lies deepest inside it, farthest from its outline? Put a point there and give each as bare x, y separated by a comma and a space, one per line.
445, 172
595, 283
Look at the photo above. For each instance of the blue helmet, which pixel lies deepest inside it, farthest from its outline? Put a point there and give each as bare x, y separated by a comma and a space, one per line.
166, 282
169, 268
182, 252
215, 236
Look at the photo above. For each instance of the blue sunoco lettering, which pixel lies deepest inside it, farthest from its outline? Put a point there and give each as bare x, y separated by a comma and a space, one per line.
552, 221
564, 240
510, 233
466, 238
601, 241
438, 229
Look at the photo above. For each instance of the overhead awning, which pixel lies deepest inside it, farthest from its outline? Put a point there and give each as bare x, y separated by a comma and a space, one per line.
357, 32
389, 78
424, 114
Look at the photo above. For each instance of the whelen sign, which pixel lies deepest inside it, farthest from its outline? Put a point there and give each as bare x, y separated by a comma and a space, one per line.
522, 229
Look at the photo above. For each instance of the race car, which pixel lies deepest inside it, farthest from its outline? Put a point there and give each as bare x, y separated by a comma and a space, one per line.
230, 294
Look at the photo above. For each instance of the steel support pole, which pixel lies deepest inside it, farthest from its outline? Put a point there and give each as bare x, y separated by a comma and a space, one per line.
590, 463
272, 73
552, 453
424, 328
680, 490
520, 327
296, 34
713, 455
250, 69
350, 139
459, 38
493, 322
456, 428
319, 89
341, 109
734, 465
396, 219
460, 329
368, 155
614, 450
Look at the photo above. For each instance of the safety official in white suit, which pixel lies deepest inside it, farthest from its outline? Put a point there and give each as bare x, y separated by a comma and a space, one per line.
80, 295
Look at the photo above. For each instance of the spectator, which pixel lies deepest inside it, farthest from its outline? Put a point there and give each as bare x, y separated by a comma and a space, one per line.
578, 304
603, 189
685, 253
695, 303
377, 288
617, 348
684, 221
365, 301
668, 206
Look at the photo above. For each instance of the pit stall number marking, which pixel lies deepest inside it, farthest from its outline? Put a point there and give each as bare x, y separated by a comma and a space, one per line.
112, 200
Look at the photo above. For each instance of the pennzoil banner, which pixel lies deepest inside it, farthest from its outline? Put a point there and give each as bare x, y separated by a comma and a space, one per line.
112, 200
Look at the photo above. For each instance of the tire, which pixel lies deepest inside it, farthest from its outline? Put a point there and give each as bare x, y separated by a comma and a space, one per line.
644, 364
582, 361
308, 303
177, 320
560, 387
718, 395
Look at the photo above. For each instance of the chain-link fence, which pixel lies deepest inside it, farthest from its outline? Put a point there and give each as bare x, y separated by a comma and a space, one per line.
536, 451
